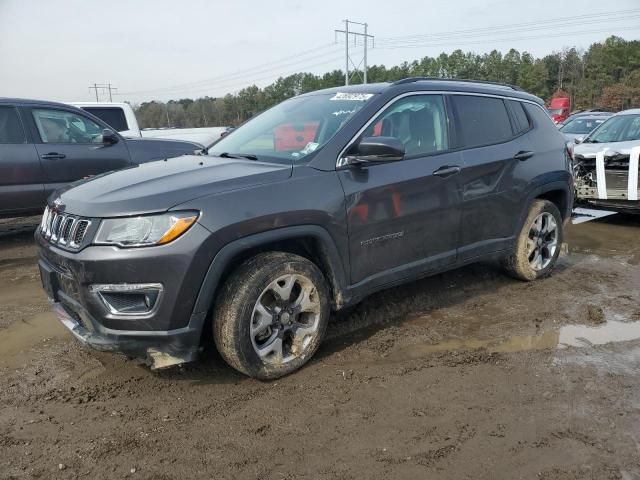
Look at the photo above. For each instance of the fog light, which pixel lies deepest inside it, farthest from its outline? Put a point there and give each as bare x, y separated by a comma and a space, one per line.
129, 298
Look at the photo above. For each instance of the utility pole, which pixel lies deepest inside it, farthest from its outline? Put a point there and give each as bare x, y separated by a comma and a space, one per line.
95, 87
355, 35
103, 86
346, 49
110, 89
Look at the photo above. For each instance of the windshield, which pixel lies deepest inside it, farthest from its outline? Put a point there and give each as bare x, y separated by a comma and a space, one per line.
621, 128
292, 130
581, 125
555, 111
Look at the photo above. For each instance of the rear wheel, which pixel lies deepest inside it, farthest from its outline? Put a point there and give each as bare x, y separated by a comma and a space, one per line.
271, 315
537, 247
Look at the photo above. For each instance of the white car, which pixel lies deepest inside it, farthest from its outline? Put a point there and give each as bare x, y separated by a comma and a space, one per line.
121, 117
606, 163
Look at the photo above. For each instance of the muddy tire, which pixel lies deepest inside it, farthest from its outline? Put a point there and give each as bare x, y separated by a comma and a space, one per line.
538, 245
271, 315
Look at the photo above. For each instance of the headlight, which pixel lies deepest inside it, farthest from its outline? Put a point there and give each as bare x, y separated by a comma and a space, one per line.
144, 230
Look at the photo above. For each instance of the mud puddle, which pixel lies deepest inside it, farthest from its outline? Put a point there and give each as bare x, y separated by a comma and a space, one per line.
17, 340
614, 236
612, 331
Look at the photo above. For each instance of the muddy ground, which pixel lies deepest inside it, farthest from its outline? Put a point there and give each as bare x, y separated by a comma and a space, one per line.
467, 375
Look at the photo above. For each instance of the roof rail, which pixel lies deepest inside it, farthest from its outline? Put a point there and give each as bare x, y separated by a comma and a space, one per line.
462, 80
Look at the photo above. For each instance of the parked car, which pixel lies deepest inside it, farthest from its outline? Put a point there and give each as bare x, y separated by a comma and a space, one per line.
582, 113
581, 125
559, 108
122, 118
118, 115
606, 163
46, 145
260, 240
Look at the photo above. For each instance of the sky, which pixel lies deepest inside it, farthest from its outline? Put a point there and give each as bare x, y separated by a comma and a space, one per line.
163, 49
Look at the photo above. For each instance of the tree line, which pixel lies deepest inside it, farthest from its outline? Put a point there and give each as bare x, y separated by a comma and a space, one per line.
606, 75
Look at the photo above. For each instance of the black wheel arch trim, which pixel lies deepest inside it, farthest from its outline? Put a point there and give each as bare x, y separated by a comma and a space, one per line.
222, 260
558, 185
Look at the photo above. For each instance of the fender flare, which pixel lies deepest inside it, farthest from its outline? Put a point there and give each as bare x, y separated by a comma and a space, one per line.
542, 189
225, 255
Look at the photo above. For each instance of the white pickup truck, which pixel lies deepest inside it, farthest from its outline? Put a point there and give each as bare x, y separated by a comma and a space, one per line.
121, 117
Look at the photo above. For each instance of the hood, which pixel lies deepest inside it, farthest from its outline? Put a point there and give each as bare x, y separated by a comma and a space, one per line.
158, 186
163, 141
589, 150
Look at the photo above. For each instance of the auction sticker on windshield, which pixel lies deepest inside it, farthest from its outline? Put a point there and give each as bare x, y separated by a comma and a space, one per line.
356, 97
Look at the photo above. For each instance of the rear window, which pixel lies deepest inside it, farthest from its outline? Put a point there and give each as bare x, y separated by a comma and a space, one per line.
519, 116
112, 116
482, 120
10, 127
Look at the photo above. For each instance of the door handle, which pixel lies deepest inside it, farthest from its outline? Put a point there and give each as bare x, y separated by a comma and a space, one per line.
446, 171
522, 155
53, 156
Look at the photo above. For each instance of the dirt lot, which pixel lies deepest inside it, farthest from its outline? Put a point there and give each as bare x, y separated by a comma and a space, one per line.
465, 375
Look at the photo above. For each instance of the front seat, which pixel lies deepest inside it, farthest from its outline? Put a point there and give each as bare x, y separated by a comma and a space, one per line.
422, 131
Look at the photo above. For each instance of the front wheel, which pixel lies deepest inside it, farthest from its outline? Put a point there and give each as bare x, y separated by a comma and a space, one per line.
537, 247
271, 315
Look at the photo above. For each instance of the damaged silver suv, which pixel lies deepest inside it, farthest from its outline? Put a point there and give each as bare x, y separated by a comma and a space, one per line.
606, 164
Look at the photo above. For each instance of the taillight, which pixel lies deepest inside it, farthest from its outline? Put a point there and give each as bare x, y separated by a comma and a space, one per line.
570, 146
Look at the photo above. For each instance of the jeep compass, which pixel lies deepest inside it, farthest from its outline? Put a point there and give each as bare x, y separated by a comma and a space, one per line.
305, 209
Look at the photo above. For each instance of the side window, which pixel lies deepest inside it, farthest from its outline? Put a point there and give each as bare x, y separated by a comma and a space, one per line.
418, 121
519, 116
114, 117
10, 126
483, 120
59, 126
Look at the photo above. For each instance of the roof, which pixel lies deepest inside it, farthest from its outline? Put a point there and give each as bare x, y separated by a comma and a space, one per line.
631, 111
99, 104
30, 101
435, 84
589, 117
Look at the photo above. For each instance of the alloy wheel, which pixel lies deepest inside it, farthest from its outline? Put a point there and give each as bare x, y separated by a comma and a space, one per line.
285, 319
542, 241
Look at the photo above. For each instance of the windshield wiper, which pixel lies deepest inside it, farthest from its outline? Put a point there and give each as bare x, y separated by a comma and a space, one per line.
248, 156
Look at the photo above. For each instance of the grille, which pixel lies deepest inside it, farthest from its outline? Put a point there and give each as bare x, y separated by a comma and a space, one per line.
62, 229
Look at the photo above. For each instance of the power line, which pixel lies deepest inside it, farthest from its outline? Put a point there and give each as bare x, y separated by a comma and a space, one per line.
251, 80
549, 23
256, 69
465, 37
508, 39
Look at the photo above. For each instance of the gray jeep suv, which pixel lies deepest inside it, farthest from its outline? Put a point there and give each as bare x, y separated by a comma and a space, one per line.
307, 208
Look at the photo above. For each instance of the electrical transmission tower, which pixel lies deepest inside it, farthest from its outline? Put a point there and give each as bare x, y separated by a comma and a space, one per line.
103, 86
365, 38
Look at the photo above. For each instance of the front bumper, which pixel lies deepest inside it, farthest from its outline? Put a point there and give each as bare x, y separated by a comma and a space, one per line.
159, 349
168, 335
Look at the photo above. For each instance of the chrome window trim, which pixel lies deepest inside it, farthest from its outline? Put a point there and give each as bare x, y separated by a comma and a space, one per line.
341, 161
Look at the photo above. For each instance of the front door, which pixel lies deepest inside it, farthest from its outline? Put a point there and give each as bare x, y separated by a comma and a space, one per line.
21, 179
403, 217
70, 147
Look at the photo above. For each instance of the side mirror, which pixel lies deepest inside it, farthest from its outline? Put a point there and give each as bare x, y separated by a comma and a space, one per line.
578, 140
109, 137
376, 149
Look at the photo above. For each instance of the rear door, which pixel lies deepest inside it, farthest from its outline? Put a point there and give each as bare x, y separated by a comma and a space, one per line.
492, 147
21, 184
70, 146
